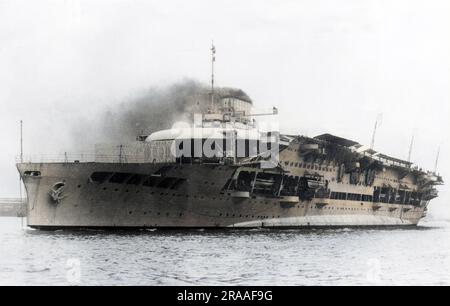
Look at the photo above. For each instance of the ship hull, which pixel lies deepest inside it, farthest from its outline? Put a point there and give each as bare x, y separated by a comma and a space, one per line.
199, 202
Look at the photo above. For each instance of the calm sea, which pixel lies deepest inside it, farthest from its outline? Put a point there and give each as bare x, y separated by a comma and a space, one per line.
413, 256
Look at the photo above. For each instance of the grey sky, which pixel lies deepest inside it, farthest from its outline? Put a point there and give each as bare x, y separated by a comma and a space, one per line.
329, 66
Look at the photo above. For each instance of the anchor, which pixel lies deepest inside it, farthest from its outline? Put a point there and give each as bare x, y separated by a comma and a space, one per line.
56, 192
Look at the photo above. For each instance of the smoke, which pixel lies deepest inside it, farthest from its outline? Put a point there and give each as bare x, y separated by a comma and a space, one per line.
157, 108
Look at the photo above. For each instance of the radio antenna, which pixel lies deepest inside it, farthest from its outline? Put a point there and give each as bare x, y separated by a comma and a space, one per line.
213, 59
21, 213
410, 148
437, 159
377, 124
21, 141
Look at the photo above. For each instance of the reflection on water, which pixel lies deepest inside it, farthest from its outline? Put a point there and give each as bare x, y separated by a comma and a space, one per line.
234, 257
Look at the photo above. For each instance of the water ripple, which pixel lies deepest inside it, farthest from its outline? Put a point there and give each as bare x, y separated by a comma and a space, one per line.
346, 256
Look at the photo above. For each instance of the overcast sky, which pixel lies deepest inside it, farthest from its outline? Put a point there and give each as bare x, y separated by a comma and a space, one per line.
329, 66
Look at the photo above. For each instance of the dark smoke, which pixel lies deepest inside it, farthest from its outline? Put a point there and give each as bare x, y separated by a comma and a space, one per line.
158, 108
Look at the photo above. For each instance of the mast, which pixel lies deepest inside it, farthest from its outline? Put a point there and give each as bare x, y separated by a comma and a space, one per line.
437, 159
21, 213
213, 59
410, 148
21, 141
21, 158
377, 124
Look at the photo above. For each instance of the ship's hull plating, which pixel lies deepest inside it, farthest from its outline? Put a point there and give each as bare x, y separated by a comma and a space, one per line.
199, 202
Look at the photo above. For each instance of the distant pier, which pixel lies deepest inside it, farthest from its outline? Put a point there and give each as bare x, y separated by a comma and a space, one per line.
12, 207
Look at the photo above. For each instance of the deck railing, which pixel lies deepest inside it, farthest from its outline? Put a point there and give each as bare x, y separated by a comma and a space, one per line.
57, 158
82, 158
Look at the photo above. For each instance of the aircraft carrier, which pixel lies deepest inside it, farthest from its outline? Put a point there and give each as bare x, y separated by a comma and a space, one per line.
222, 170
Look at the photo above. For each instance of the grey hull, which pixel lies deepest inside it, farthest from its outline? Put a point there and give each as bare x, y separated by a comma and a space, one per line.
200, 202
